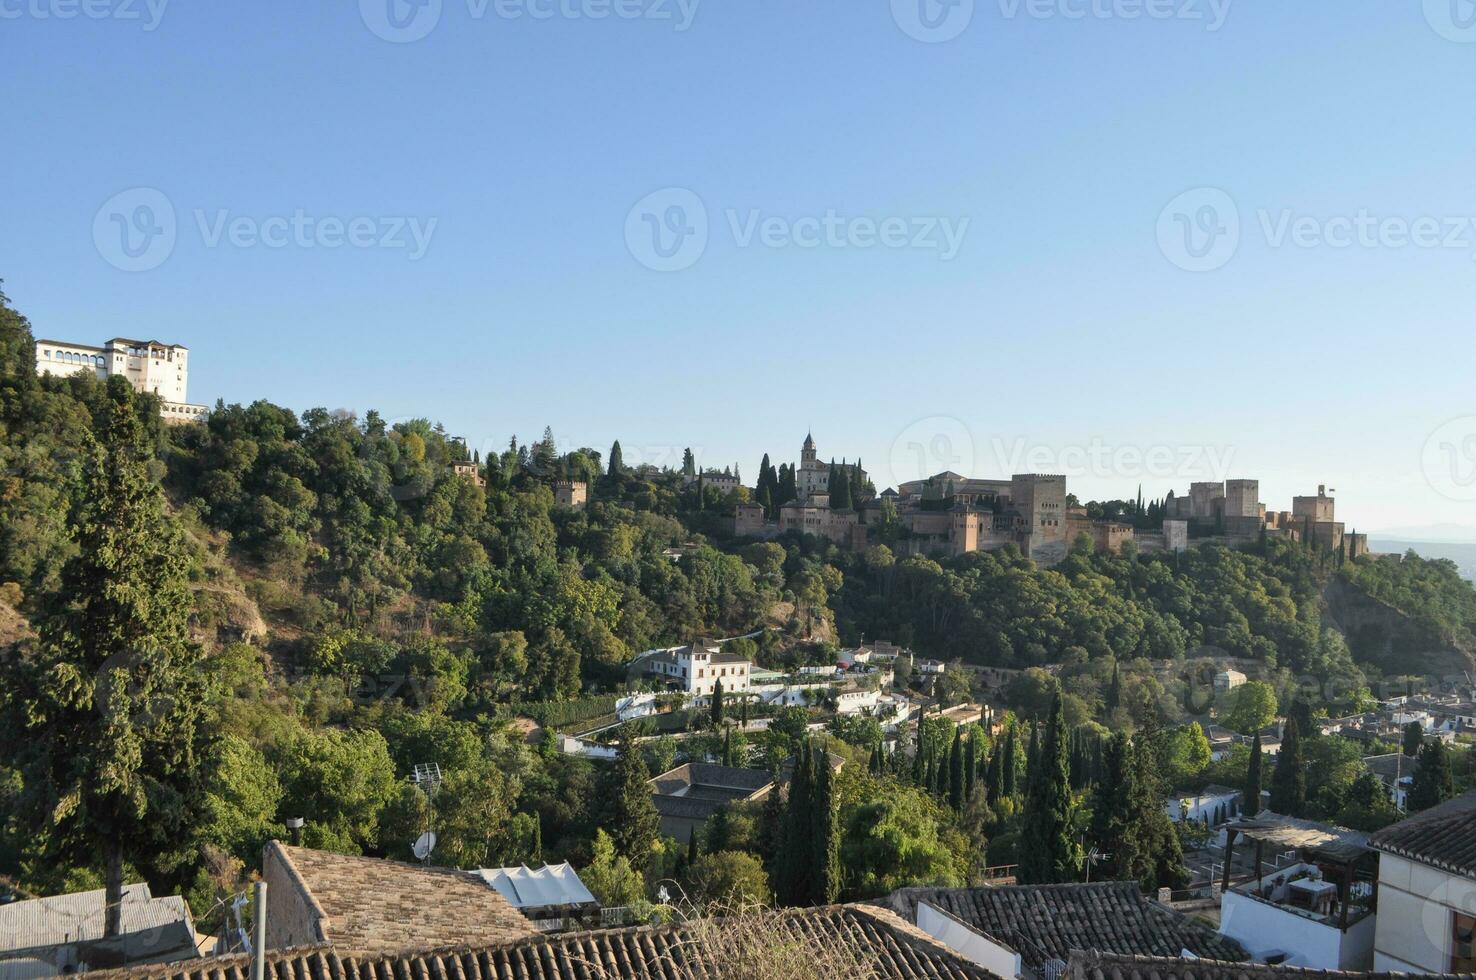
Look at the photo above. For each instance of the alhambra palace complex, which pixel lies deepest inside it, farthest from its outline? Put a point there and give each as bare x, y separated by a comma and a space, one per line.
951, 514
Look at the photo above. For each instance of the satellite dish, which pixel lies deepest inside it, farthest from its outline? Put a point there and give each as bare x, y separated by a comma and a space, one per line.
425, 845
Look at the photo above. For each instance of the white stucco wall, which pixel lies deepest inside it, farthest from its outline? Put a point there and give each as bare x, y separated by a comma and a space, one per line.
968, 943
1262, 928
1416, 906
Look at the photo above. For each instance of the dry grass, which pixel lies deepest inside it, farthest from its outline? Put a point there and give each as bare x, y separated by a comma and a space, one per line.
757, 943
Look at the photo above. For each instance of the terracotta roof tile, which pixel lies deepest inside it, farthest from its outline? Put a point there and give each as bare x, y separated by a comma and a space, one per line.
1100, 966
901, 952
1443, 836
1043, 922
373, 904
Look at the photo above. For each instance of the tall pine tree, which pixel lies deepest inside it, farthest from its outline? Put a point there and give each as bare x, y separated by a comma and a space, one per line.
114, 731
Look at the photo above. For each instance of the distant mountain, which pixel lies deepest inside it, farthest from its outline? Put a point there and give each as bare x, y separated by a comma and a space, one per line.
1462, 553
1436, 533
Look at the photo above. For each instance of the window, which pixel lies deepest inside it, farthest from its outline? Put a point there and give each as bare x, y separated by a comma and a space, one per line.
1462, 952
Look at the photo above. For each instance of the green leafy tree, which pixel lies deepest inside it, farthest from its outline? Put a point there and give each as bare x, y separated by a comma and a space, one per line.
114, 734
1252, 706
610, 876
730, 878
895, 835
339, 782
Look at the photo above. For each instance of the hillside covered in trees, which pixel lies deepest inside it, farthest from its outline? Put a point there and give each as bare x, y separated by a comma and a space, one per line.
311, 604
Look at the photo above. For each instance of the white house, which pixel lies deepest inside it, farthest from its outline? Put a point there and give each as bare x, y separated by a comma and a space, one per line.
1427, 891
1218, 803
149, 365
697, 668
1228, 680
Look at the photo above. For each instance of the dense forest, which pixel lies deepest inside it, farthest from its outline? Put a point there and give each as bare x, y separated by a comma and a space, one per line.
274, 614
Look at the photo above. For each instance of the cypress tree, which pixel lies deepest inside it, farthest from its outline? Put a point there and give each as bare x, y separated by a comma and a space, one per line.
1162, 863
919, 763
1114, 827
771, 831
635, 822
956, 773
114, 737
717, 704
826, 875
617, 461
793, 886
1253, 778
1114, 689
971, 767
1008, 772
1414, 735
994, 787
728, 747
1289, 780
1433, 781
1047, 852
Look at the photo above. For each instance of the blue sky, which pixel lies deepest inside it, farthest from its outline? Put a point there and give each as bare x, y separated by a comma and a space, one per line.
1069, 156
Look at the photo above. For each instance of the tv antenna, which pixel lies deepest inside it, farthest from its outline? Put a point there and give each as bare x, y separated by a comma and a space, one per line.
427, 778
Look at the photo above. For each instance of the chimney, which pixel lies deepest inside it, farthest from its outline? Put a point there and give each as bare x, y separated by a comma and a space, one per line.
294, 828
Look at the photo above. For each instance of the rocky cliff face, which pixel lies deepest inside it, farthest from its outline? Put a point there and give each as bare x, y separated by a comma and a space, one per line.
1382, 636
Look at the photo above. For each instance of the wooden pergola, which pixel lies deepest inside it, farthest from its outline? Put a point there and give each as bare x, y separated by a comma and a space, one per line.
1317, 842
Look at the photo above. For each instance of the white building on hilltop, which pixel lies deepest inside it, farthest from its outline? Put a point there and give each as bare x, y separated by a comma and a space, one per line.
695, 669
150, 366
